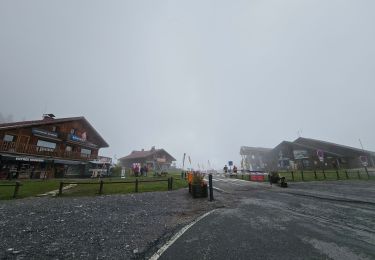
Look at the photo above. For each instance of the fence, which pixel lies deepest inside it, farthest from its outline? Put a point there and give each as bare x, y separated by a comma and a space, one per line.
101, 184
295, 176
16, 187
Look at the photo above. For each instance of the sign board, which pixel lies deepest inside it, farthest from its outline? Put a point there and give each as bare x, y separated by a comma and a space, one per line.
300, 154
320, 155
230, 163
363, 160
44, 132
257, 177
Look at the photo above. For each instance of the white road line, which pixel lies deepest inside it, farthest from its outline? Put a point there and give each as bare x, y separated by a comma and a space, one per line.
177, 236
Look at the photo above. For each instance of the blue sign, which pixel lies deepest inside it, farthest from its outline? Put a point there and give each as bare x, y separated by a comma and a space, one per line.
230, 163
76, 138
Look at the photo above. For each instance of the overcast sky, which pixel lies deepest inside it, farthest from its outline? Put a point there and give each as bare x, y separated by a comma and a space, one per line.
201, 77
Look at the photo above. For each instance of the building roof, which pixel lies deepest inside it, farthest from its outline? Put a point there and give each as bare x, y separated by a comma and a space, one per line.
145, 154
304, 146
322, 144
247, 149
51, 121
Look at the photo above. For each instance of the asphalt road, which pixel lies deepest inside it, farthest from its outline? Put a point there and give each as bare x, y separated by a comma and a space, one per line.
315, 220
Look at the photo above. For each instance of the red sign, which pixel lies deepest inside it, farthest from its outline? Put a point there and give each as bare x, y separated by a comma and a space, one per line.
257, 177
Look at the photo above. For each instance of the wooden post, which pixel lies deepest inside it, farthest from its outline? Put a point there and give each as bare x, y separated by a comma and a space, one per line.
346, 173
136, 185
61, 188
359, 175
368, 175
292, 176
337, 174
324, 174
171, 183
101, 187
316, 177
16, 188
211, 187
303, 178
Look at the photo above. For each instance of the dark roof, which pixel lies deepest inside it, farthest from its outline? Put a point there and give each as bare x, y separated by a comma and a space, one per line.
304, 146
51, 121
145, 154
319, 144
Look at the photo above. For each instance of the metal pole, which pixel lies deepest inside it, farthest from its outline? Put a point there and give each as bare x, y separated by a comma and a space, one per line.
211, 187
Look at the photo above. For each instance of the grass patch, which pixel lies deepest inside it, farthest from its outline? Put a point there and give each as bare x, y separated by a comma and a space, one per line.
31, 188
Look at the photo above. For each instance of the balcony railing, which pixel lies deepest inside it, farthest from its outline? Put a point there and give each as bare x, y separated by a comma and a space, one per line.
28, 149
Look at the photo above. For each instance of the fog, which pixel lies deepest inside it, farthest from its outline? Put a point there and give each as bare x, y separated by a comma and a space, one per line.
195, 77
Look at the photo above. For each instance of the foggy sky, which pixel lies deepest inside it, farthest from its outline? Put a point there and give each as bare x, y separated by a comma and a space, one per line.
201, 77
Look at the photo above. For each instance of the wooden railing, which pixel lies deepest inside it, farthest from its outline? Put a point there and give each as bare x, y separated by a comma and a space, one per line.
21, 148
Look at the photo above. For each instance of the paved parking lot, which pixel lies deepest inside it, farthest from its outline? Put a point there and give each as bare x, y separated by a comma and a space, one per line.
316, 220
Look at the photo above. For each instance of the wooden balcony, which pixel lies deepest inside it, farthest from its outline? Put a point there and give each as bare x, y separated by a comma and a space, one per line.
27, 149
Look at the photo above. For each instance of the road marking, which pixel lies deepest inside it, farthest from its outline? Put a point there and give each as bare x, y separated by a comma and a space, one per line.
177, 236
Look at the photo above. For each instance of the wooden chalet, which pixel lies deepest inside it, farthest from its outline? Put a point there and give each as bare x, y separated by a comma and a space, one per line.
155, 159
48, 148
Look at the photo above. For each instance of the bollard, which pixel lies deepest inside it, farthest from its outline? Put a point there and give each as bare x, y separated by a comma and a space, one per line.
324, 174
16, 188
346, 173
61, 188
292, 176
171, 183
303, 178
337, 174
101, 187
316, 177
136, 185
359, 175
211, 187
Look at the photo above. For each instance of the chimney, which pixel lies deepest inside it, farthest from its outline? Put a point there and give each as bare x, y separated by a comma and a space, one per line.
48, 117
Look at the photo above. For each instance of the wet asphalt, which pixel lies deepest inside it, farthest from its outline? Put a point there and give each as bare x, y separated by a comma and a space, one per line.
316, 220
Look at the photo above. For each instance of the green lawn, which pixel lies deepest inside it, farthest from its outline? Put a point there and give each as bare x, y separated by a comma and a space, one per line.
32, 188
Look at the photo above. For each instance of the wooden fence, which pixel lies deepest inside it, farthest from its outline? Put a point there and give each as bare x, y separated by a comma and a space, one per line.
16, 186
101, 184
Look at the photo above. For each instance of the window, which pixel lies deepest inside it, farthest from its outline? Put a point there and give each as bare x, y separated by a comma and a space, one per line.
46, 146
85, 151
72, 131
68, 148
8, 138
55, 128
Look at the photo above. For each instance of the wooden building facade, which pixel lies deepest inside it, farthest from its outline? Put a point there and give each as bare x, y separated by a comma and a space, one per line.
48, 147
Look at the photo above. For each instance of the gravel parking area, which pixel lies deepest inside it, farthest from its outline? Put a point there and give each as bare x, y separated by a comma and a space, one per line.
102, 227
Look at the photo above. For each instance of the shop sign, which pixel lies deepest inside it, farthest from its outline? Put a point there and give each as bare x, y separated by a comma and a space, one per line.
44, 132
27, 159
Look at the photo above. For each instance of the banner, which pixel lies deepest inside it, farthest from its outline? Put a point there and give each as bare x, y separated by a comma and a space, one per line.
183, 161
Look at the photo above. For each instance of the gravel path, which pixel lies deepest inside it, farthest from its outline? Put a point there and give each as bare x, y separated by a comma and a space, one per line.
103, 227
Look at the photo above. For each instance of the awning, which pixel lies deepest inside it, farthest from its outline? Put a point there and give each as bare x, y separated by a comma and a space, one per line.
23, 158
69, 162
